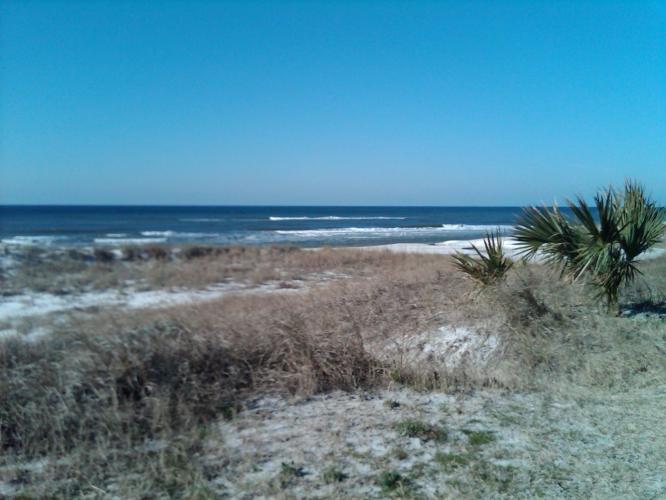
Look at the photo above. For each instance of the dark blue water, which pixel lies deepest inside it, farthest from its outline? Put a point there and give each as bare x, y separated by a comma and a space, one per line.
304, 226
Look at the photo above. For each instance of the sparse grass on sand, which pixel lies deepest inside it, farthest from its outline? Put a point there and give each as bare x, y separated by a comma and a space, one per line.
285, 394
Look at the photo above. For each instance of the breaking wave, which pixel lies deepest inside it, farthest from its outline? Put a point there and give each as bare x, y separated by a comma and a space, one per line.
336, 217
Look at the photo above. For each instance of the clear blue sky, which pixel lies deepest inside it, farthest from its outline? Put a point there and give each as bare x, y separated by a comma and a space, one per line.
446, 103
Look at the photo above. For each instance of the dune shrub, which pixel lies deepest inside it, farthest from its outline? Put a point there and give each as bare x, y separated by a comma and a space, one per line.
606, 250
486, 268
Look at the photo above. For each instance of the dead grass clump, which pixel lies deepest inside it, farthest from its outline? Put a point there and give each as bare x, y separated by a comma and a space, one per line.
76, 254
127, 377
196, 252
147, 384
127, 383
54, 273
197, 266
157, 252
103, 255
534, 301
131, 253
557, 335
146, 253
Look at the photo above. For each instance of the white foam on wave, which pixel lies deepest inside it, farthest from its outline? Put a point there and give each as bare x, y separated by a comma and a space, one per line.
358, 232
174, 234
200, 220
336, 217
157, 233
511, 247
195, 235
128, 241
31, 240
475, 227
116, 235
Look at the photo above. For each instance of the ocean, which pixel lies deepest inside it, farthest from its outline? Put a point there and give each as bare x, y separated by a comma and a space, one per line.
245, 225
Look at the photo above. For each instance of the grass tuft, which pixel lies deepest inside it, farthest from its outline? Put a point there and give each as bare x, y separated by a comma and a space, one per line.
392, 481
479, 438
418, 429
333, 475
451, 461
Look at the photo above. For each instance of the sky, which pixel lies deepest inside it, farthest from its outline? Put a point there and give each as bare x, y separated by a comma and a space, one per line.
329, 103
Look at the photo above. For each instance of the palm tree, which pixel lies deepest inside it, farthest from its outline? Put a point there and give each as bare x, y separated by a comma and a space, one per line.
629, 223
489, 267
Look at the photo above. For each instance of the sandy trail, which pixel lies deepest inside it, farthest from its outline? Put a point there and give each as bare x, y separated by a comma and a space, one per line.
597, 445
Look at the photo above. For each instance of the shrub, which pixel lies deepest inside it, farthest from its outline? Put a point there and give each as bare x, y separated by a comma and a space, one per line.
629, 223
127, 383
103, 255
196, 252
157, 252
491, 266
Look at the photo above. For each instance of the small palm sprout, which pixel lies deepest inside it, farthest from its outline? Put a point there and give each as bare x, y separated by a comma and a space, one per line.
486, 268
629, 223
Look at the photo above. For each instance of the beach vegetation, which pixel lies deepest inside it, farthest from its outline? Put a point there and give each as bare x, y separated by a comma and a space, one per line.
604, 248
333, 475
392, 481
418, 429
478, 438
451, 460
133, 402
489, 265
400, 453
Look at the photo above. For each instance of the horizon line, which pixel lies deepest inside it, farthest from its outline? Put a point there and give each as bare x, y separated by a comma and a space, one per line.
85, 205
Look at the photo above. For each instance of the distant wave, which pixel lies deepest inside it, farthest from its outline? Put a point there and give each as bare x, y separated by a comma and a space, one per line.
385, 231
335, 217
116, 235
128, 241
157, 233
175, 234
32, 240
200, 220
475, 227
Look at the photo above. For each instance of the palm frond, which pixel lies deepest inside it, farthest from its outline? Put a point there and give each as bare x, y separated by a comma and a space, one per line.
606, 246
488, 267
642, 221
548, 231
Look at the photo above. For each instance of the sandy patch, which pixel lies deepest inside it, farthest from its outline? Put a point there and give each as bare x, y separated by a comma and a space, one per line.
497, 445
464, 246
447, 346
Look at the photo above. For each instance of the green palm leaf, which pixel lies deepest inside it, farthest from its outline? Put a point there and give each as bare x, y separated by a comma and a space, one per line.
488, 267
606, 247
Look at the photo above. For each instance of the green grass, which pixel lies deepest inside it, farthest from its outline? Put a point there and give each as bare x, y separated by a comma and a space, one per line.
479, 438
499, 478
288, 473
418, 429
451, 460
333, 475
392, 481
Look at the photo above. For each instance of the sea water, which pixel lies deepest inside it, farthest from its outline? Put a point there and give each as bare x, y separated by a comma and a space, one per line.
245, 225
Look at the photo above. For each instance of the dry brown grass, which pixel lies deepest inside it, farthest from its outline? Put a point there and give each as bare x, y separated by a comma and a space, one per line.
193, 266
100, 390
201, 357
